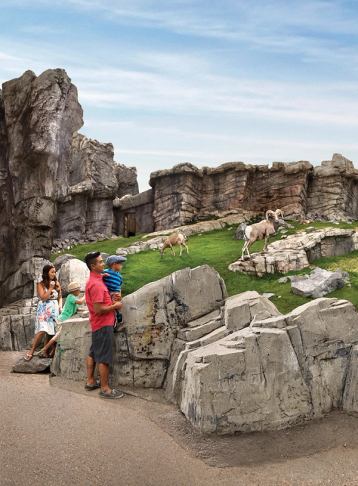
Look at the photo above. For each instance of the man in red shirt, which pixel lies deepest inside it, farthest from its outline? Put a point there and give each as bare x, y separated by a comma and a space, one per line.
102, 318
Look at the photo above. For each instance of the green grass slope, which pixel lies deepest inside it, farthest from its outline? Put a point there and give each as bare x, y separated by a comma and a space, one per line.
218, 249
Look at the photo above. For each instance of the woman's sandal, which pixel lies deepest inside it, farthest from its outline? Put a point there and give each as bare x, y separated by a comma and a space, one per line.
28, 357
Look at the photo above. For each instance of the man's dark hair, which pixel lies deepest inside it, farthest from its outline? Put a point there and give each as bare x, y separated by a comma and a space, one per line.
91, 257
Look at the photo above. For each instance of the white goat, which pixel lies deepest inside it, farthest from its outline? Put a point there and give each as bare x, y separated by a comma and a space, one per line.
261, 230
173, 240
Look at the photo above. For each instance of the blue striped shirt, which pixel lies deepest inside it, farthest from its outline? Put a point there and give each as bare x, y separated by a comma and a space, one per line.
113, 281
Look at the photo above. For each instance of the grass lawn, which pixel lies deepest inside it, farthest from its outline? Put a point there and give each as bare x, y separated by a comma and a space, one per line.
218, 249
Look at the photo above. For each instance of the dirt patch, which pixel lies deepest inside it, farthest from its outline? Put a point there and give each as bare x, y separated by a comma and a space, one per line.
335, 430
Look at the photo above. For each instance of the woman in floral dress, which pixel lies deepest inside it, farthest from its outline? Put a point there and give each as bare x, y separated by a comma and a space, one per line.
48, 308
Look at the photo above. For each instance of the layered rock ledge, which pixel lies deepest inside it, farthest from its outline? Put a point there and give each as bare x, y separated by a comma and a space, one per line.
297, 251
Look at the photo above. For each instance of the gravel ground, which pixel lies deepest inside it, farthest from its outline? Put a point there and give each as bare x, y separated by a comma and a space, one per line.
58, 434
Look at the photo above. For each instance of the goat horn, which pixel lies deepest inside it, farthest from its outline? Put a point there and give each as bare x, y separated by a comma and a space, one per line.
270, 213
279, 212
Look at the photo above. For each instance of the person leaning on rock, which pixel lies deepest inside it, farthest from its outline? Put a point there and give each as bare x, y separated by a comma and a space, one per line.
102, 319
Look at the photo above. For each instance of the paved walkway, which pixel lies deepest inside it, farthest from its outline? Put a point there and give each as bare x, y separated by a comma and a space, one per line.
51, 436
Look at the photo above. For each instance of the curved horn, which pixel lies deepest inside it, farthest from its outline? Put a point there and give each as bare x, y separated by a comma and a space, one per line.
269, 212
279, 213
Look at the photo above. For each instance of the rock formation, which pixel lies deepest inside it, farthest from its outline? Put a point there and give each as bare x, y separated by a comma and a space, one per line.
186, 194
53, 181
38, 116
154, 315
230, 365
95, 180
297, 251
318, 283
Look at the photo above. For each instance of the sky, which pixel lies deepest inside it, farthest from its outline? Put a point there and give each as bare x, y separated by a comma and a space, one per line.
199, 81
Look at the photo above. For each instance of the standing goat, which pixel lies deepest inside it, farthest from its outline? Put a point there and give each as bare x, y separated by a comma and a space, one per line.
173, 240
261, 230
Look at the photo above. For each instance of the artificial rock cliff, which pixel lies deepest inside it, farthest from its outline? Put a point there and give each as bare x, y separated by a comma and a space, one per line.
185, 194
38, 116
95, 180
53, 181
229, 364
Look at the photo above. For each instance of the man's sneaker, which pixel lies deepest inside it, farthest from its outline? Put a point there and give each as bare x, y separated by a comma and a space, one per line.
113, 394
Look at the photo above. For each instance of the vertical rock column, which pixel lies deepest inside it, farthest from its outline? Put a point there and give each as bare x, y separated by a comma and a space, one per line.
177, 195
38, 116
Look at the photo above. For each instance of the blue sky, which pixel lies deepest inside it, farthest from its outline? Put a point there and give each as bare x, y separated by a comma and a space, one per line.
198, 81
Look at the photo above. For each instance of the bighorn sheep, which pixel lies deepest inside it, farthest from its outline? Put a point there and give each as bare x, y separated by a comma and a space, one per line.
173, 240
261, 230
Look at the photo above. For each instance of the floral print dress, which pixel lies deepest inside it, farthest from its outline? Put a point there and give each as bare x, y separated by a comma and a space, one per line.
46, 314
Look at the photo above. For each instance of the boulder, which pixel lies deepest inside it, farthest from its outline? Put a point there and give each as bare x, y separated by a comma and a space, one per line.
73, 270
275, 373
61, 259
35, 365
177, 305
320, 282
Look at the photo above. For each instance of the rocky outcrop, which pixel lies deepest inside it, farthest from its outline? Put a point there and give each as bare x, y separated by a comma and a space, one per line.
297, 251
185, 194
177, 305
276, 372
17, 324
38, 116
333, 191
230, 365
53, 181
318, 283
95, 180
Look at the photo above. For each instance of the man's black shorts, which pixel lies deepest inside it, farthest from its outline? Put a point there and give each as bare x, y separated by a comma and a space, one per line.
102, 345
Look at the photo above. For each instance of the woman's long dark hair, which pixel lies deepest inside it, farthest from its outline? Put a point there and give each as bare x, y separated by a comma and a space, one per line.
46, 278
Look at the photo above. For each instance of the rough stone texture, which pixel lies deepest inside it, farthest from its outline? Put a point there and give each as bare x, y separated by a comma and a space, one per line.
54, 182
275, 373
60, 260
333, 192
297, 251
17, 323
153, 315
139, 205
350, 396
35, 365
320, 282
233, 366
95, 181
275, 261
73, 270
38, 116
185, 193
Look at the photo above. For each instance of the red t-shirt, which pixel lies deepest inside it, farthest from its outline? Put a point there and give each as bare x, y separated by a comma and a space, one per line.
97, 293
